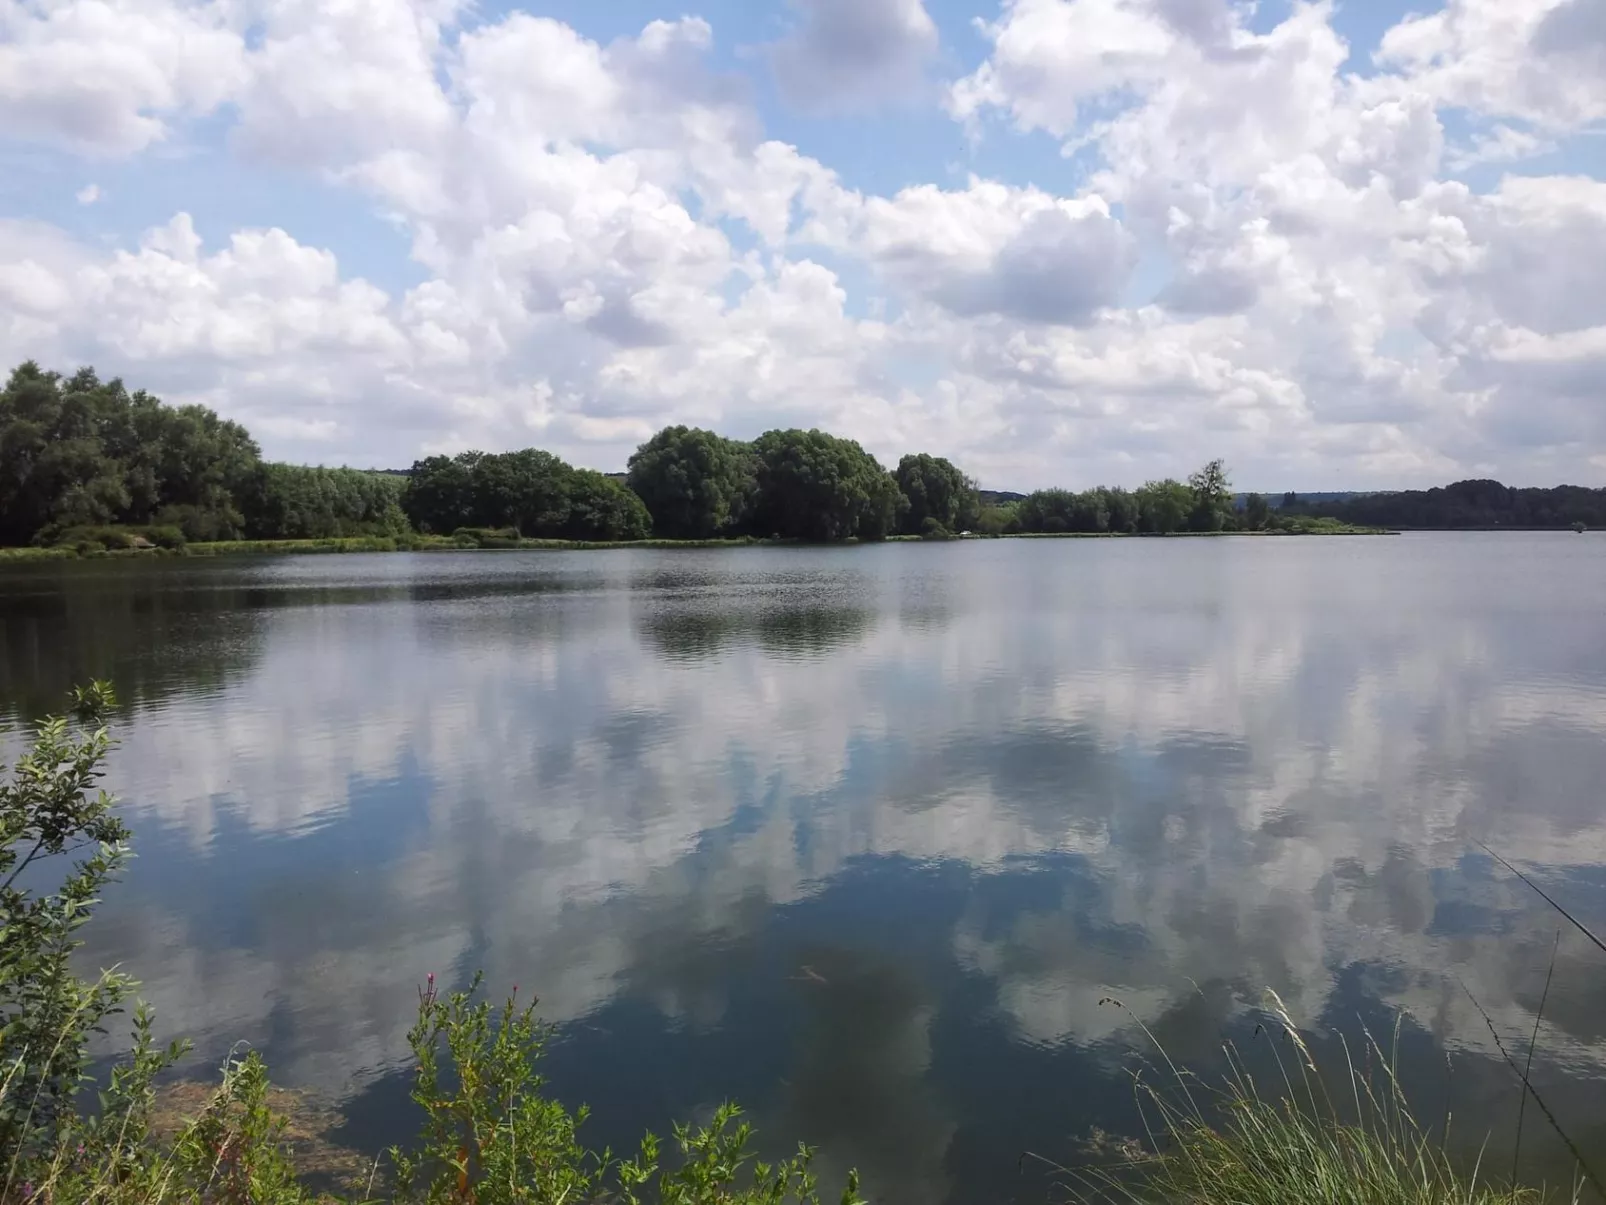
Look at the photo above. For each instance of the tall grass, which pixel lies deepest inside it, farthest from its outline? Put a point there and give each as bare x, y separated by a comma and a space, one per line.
1287, 1139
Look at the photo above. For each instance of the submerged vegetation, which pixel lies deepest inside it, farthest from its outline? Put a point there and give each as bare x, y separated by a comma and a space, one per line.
490, 1133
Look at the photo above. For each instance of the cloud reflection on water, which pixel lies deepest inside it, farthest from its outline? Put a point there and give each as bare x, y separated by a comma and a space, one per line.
689, 798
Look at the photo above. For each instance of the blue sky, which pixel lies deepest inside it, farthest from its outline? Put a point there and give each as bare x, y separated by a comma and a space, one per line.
1062, 241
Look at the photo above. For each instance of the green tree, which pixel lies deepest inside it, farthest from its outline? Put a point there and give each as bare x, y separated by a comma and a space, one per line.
527, 491
1256, 512
1047, 511
1000, 520
298, 502
78, 451
440, 493
1212, 497
814, 486
1163, 506
1121, 510
696, 485
54, 466
937, 492
601, 508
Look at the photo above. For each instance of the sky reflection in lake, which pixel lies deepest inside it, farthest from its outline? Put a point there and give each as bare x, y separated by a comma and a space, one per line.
858, 836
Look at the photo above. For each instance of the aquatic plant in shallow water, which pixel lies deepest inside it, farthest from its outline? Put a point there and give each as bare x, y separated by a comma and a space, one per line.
1287, 1141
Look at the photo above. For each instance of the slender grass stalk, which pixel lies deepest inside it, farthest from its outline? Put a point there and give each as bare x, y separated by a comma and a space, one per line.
1289, 1146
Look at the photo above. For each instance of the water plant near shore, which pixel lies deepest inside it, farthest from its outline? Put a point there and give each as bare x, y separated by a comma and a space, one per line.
1288, 1139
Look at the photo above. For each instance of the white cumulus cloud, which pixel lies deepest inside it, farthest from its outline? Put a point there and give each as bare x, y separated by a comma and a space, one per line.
1261, 251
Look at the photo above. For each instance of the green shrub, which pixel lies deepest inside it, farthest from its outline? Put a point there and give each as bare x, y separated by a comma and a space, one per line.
200, 524
168, 537
486, 537
91, 538
53, 806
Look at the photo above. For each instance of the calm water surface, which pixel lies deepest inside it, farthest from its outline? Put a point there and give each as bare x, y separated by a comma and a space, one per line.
862, 836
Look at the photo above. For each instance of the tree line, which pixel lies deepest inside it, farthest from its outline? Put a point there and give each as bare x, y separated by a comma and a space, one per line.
1464, 504
78, 454
1203, 503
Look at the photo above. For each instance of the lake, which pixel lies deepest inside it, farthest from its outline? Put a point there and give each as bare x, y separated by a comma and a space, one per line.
861, 837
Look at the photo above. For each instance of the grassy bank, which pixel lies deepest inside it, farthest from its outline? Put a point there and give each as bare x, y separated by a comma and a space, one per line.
86, 550
409, 543
1326, 529
1299, 1134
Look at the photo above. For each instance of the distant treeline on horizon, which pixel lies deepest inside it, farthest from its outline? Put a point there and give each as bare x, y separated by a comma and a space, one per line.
78, 453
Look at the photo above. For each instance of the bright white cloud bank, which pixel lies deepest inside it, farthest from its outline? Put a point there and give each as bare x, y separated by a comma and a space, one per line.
1269, 257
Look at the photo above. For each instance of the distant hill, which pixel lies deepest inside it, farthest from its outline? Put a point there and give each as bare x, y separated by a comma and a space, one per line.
1313, 496
998, 497
1464, 504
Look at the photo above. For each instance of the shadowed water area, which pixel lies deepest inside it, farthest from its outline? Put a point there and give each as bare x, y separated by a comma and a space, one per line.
861, 836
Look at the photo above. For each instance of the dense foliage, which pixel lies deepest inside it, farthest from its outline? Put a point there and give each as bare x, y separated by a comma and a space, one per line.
1203, 503
697, 485
1464, 504
941, 498
804, 485
530, 493
814, 486
300, 502
490, 1135
77, 450
80, 456
85, 465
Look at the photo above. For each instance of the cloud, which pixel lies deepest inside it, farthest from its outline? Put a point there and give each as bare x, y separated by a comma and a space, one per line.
1501, 144
1540, 62
1254, 245
88, 194
104, 77
990, 249
850, 54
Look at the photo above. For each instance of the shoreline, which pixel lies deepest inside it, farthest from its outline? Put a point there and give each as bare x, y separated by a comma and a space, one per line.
357, 544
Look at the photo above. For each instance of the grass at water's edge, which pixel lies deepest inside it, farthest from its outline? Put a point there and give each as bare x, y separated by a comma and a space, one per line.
1300, 1135
349, 544
448, 544
1337, 529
